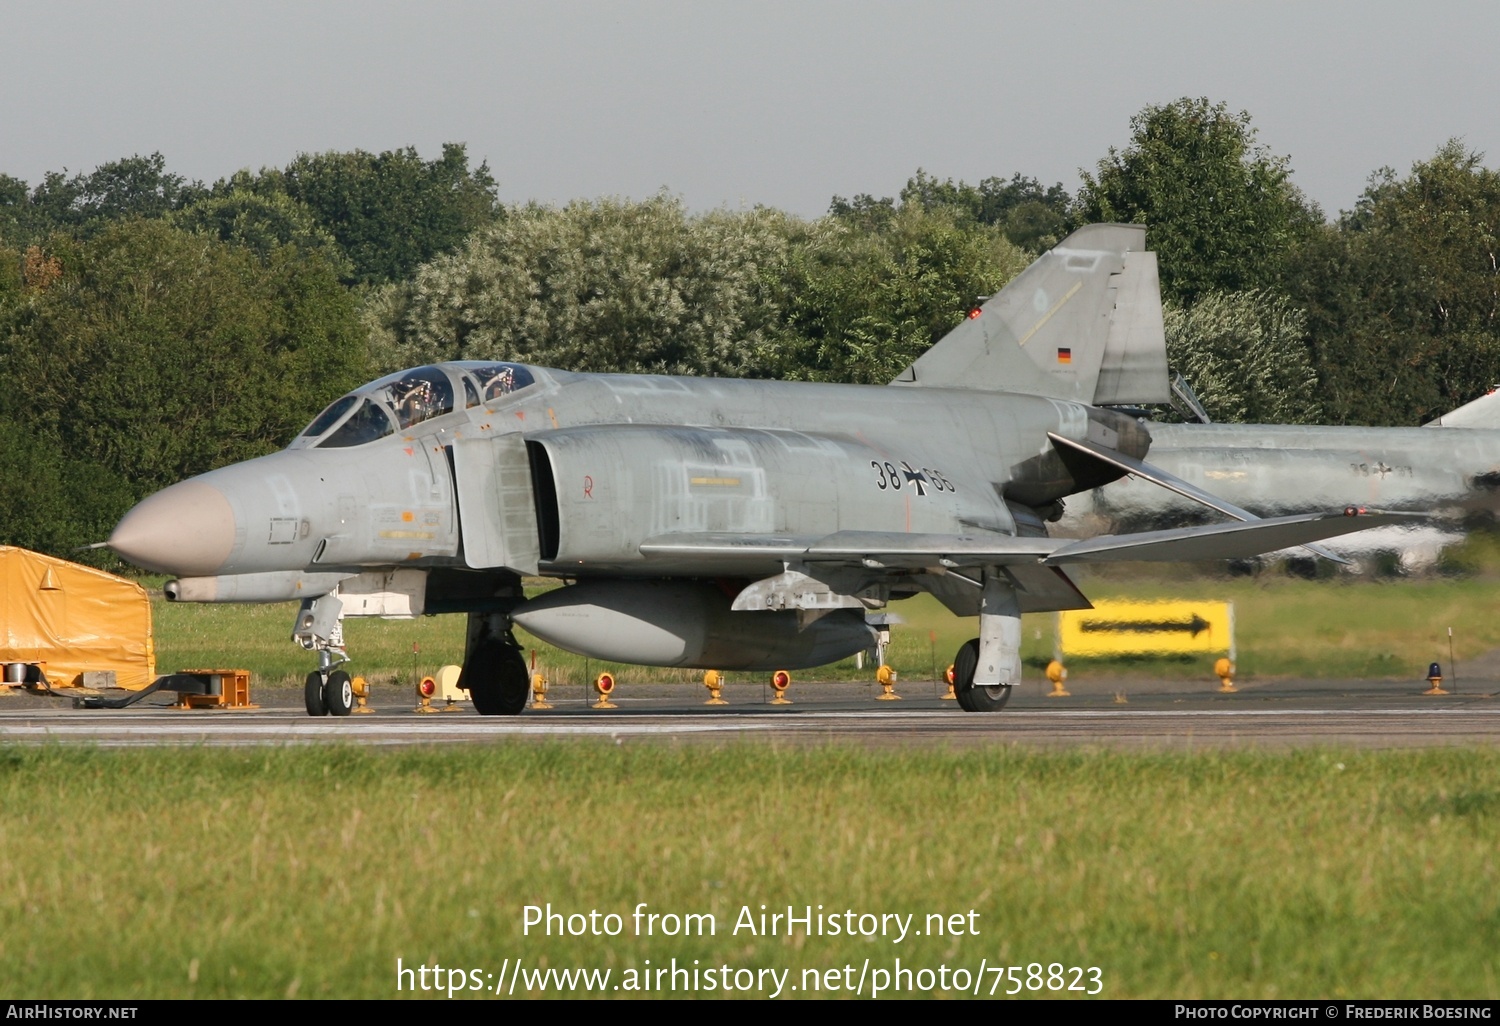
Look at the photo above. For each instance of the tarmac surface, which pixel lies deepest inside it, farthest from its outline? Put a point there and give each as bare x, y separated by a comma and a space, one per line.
1133, 714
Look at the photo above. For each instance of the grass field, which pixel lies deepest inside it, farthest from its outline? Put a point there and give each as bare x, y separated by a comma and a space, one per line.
309, 872
1341, 628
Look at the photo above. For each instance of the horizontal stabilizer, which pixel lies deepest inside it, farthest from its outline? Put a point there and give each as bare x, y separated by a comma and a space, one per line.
1235, 540
1171, 482
1155, 475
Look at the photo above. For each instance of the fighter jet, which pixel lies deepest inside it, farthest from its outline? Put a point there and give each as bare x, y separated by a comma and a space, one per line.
723, 524
1449, 468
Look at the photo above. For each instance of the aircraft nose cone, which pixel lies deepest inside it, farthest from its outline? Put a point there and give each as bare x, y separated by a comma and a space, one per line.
187, 529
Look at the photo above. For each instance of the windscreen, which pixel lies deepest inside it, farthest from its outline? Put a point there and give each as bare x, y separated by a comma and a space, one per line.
368, 423
401, 401
331, 416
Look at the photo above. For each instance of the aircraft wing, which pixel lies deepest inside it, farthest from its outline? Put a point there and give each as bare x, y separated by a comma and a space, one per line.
897, 552
726, 553
1233, 540
1173, 483
874, 550
880, 550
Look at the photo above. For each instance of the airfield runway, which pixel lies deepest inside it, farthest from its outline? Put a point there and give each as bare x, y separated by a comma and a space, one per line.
1133, 714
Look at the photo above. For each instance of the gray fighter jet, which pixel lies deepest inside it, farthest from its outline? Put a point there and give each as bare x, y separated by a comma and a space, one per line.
723, 524
1449, 468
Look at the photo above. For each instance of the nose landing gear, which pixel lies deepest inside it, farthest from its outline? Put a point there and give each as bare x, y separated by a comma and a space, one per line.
312, 695
328, 690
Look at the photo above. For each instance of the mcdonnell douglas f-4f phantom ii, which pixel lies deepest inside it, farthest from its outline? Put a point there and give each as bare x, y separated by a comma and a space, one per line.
724, 524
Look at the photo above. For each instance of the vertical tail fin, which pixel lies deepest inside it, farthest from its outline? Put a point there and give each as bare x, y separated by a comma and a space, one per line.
1083, 322
1483, 412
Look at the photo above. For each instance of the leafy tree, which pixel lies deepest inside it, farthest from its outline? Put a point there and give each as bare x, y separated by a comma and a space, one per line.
608, 285
130, 187
864, 212
1222, 210
388, 212
11, 277
393, 211
261, 223
57, 503
1403, 295
14, 197
861, 304
618, 286
1246, 356
1032, 217
159, 353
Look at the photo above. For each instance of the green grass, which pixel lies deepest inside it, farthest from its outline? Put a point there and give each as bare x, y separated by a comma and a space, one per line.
258, 638
1338, 628
309, 872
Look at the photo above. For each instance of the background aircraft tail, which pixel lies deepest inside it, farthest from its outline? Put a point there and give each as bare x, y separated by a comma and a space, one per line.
1083, 322
1483, 412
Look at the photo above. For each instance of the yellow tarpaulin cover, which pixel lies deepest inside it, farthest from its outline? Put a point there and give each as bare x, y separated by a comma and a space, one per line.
73, 618
1147, 628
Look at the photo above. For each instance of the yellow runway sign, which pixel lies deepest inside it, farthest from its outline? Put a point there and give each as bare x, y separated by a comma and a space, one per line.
1147, 628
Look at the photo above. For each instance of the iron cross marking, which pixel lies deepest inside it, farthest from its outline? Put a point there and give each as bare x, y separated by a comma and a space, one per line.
916, 478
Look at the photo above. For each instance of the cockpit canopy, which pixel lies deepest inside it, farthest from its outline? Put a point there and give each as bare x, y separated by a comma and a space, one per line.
401, 401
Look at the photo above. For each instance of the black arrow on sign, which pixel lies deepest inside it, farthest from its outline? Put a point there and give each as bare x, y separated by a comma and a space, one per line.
1195, 626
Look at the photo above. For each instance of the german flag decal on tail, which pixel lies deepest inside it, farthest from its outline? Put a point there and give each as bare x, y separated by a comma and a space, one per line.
1064, 355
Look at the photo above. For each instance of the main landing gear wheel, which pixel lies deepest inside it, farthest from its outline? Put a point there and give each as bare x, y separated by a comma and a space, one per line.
312, 694
972, 698
496, 679
338, 694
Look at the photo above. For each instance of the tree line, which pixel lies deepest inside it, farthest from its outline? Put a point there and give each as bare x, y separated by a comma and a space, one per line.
152, 328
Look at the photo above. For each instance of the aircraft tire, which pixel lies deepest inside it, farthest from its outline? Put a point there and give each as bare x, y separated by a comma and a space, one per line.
964, 665
496, 679
312, 694
338, 695
971, 698
988, 699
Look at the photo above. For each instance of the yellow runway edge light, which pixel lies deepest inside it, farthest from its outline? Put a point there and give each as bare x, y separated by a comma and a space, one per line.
604, 685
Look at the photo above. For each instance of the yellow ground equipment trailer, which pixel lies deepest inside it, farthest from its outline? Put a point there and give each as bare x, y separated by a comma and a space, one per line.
65, 620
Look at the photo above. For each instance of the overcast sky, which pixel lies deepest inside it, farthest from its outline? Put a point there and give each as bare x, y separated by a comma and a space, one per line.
784, 104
